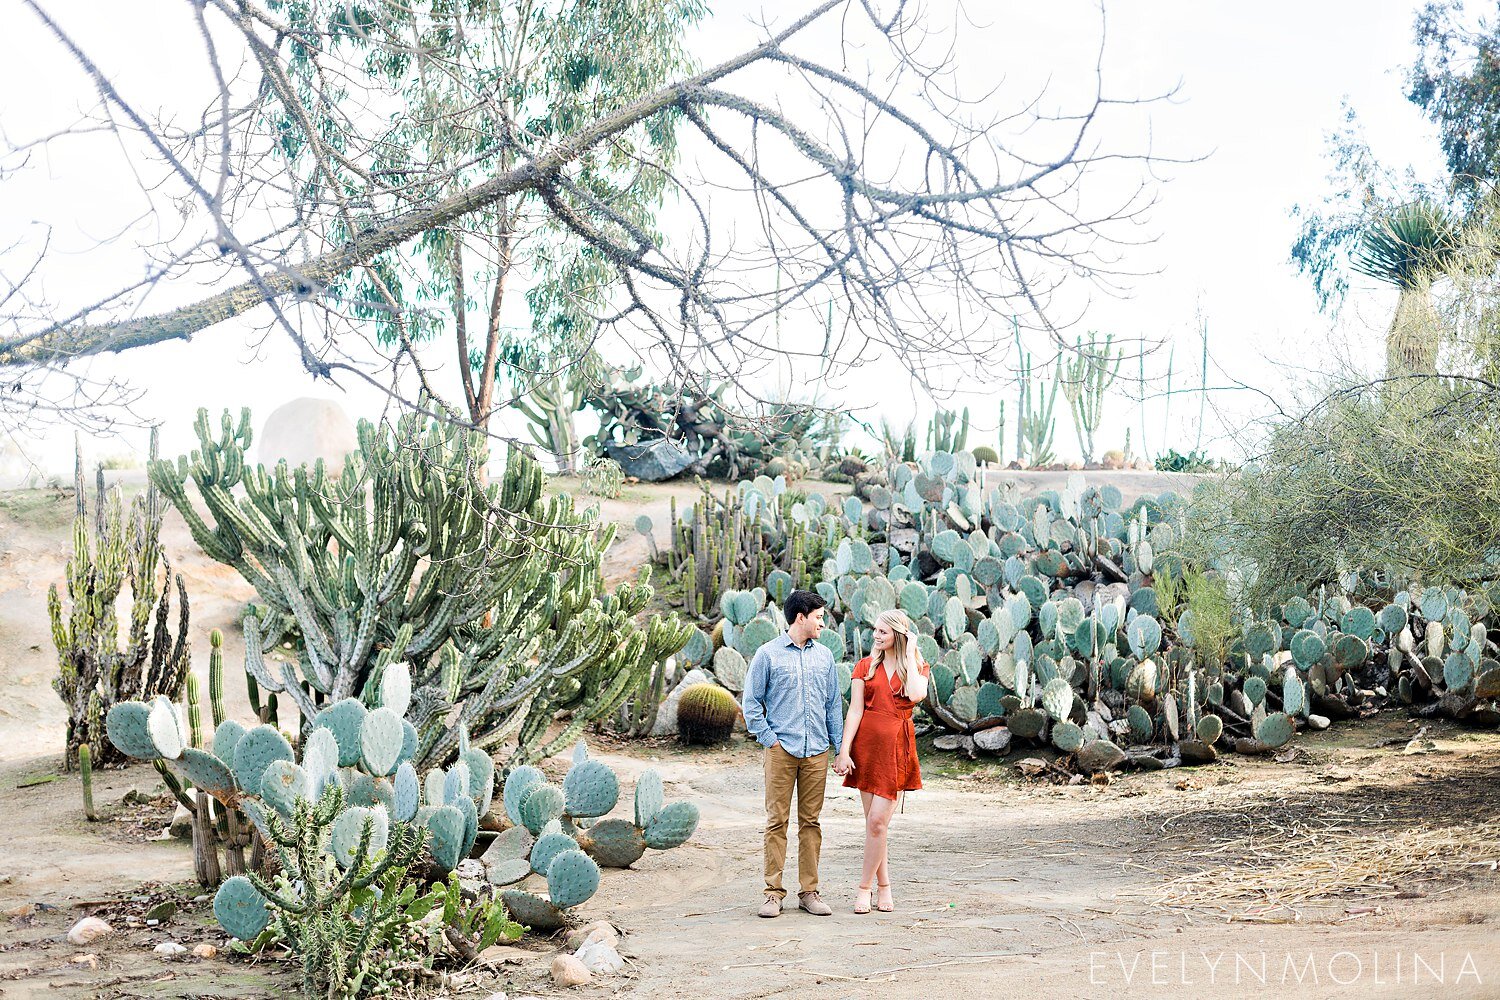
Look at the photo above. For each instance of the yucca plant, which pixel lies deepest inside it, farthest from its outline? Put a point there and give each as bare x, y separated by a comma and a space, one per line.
1411, 248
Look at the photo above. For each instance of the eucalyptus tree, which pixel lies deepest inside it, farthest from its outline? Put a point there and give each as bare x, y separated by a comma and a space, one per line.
480, 82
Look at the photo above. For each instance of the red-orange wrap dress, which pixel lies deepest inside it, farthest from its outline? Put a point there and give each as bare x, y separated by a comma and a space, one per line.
884, 750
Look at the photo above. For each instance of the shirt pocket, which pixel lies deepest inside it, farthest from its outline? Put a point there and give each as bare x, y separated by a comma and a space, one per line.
815, 683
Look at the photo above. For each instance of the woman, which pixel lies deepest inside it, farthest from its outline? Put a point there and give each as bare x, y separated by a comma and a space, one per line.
879, 751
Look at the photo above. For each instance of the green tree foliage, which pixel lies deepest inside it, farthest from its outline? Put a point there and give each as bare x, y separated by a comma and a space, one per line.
473, 78
1456, 82
1404, 483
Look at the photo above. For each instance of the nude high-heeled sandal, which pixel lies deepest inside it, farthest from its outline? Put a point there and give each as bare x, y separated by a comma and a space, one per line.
865, 907
886, 909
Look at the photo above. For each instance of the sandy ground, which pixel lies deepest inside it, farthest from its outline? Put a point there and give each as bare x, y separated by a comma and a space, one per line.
1003, 887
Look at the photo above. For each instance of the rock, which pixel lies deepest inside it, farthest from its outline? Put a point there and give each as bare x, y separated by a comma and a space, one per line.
88, 930
1197, 752
601, 958
600, 930
1318, 721
21, 912
90, 961
652, 462
666, 715
569, 971
170, 950
1100, 755
1031, 766
182, 820
954, 742
995, 740
498, 954
305, 430
205, 950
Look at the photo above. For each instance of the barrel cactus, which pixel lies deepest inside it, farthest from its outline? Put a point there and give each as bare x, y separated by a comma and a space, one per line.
706, 714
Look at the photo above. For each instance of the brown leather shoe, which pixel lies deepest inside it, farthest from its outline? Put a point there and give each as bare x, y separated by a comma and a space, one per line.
772, 906
813, 903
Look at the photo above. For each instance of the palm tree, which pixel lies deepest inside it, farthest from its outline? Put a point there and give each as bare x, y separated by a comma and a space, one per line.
1411, 249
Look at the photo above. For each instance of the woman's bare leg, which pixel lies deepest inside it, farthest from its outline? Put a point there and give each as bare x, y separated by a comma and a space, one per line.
878, 813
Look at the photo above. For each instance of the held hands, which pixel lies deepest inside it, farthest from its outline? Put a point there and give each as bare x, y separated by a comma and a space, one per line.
843, 765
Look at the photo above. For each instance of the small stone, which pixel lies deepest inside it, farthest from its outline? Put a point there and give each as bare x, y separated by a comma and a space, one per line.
600, 958
22, 912
600, 930
205, 950
170, 950
89, 960
1318, 721
88, 930
569, 971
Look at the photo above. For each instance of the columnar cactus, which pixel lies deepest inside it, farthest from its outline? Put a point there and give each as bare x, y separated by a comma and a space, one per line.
95, 668
493, 592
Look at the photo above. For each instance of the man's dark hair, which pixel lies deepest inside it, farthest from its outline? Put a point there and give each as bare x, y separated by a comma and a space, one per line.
801, 602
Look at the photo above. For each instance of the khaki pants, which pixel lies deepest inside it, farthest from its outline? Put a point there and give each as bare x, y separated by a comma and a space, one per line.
808, 778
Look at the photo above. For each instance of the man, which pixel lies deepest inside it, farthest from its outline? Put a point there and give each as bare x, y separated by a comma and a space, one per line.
794, 708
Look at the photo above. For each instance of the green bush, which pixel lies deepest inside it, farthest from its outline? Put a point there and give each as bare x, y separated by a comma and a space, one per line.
1401, 480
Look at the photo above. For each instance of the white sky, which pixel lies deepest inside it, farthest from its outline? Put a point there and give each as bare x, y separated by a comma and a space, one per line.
1260, 87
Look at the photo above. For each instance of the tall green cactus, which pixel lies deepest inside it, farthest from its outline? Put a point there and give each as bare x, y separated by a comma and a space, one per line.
493, 593
110, 552
941, 435
1035, 422
1085, 380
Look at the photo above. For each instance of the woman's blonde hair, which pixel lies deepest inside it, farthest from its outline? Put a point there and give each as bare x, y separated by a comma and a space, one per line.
906, 661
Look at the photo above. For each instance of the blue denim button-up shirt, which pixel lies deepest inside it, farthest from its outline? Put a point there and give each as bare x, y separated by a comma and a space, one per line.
792, 697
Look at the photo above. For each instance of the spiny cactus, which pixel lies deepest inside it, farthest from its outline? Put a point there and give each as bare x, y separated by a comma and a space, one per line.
340, 889
366, 753
112, 551
86, 773
741, 541
700, 421
942, 435
559, 834
706, 714
492, 592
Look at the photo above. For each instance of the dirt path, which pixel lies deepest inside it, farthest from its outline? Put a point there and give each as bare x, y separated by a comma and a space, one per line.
1003, 888
1021, 890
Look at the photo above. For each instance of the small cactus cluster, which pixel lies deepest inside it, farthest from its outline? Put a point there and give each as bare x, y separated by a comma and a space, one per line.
561, 834
754, 535
703, 425
948, 431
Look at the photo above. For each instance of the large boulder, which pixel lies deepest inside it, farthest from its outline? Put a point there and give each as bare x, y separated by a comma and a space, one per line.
651, 462
666, 714
306, 430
